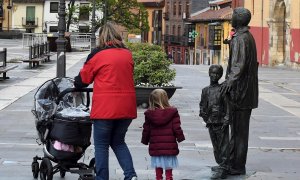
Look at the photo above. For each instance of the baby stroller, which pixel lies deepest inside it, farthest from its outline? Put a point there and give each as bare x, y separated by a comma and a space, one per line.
64, 129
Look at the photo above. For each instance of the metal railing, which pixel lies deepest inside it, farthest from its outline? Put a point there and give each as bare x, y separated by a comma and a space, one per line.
29, 22
30, 39
81, 41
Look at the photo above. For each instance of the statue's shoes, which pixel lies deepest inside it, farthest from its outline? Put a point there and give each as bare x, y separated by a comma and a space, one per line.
216, 168
222, 174
237, 172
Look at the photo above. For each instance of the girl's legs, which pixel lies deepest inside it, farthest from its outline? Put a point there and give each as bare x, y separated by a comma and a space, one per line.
169, 175
159, 173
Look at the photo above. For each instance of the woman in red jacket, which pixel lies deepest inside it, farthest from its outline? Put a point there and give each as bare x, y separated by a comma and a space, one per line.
110, 68
161, 130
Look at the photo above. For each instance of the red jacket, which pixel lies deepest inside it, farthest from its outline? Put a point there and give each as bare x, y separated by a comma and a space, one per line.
111, 70
161, 129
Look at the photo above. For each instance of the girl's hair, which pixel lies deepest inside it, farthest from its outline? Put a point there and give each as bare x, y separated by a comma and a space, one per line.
158, 99
109, 36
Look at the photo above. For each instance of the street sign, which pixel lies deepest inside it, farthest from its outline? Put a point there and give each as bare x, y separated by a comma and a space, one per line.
193, 34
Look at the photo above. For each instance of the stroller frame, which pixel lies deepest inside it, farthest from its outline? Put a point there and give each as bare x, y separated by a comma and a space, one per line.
46, 169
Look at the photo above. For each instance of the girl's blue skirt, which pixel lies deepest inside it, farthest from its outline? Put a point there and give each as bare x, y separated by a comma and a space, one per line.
165, 162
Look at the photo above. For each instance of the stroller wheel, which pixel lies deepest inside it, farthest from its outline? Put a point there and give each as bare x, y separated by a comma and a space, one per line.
46, 169
35, 169
62, 173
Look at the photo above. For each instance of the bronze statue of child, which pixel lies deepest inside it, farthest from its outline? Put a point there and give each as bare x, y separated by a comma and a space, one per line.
215, 113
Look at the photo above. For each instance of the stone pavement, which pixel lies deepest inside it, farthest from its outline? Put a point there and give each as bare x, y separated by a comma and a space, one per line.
274, 143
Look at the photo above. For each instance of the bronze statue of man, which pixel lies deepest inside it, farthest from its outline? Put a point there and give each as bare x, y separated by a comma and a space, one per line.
241, 86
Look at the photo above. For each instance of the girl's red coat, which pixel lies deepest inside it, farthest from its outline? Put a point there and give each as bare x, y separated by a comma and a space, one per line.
161, 129
114, 97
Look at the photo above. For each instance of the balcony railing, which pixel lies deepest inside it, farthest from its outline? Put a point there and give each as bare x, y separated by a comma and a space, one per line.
178, 40
29, 22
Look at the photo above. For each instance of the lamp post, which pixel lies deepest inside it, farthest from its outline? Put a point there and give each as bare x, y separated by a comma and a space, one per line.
8, 9
61, 41
93, 30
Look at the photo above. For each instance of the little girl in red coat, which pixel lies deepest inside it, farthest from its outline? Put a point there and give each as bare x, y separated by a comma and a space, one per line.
162, 131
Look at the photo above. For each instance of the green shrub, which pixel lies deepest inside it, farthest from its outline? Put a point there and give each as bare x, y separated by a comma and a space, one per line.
151, 66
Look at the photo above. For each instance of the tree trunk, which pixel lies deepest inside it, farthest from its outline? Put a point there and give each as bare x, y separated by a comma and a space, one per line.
71, 9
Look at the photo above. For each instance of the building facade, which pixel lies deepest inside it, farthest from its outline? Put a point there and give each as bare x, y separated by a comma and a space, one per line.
5, 14
155, 9
27, 15
275, 26
212, 25
177, 29
37, 16
82, 16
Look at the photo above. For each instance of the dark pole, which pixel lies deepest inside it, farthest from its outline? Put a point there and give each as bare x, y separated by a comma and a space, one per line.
93, 30
105, 12
61, 41
8, 9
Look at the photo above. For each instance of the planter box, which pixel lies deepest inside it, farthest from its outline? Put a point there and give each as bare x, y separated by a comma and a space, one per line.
142, 94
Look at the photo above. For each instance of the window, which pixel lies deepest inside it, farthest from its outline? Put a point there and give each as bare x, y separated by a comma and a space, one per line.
179, 8
30, 15
215, 35
174, 9
179, 30
155, 19
53, 7
201, 40
173, 31
167, 29
187, 10
53, 29
168, 7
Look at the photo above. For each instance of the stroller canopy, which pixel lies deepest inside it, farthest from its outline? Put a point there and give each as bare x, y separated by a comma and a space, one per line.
69, 106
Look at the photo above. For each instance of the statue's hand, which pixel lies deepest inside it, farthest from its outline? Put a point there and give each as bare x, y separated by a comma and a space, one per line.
225, 87
224, 126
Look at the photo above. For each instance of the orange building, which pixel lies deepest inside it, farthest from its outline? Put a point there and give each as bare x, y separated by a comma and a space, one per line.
5, 15
155, 10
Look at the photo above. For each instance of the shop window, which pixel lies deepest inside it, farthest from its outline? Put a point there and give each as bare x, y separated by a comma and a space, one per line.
215, 36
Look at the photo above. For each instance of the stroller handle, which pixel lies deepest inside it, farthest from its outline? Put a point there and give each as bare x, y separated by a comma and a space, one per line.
69, 90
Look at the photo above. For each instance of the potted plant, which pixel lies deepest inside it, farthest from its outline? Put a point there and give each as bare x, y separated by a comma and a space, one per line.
151, 70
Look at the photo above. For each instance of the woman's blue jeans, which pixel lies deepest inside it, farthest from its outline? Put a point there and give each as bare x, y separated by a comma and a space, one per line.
112, 133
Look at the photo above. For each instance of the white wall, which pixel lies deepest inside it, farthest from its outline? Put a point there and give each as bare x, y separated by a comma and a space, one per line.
51, 19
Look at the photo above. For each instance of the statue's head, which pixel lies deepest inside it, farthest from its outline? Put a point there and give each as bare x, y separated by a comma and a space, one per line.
215, 72
240, 17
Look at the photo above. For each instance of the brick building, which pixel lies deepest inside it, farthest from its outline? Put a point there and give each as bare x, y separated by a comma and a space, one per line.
176, 30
